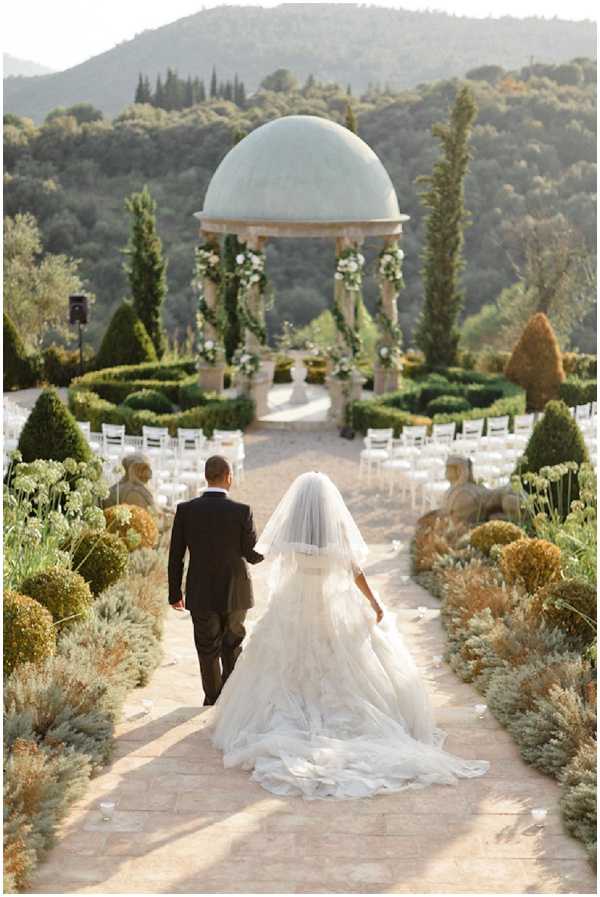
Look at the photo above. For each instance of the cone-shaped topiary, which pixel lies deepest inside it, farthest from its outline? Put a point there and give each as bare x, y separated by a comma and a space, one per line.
126, 340
64, 593
20, 370
556, 438
536, 363
29, 635
494, 532
140, 531
531, 563
566, 604
51, 432
101, 558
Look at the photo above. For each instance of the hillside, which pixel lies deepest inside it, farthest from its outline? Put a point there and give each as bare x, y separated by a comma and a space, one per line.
13, 67
534, 151
343, 43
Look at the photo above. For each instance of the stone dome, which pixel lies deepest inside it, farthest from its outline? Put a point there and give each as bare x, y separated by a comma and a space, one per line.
302, 174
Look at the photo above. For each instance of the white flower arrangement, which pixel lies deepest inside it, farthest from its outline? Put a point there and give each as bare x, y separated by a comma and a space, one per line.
208, 350
246, 363
390, 266
208, 263
388, 355
250, 268
343, 366
349, 268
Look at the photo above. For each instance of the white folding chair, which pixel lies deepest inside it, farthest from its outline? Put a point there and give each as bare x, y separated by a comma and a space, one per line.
443, 434
113, 440
397, 465
472, 430
156, 442
86, 428
230, 444
497, 427
583, 412
414, 436
378, 444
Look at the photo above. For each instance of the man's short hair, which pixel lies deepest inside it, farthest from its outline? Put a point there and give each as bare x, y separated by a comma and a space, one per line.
216, 468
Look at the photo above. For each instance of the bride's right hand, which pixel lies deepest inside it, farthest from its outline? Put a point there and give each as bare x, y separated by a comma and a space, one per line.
378, 610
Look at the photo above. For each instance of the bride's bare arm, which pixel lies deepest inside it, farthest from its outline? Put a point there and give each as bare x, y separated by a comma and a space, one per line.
361, 581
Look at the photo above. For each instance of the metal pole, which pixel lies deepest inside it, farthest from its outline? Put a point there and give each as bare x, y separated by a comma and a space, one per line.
80, 350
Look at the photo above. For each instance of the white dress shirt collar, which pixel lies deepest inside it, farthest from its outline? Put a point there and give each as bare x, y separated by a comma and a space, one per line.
215, 489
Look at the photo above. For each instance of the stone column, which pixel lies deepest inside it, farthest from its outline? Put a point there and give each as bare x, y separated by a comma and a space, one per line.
258, 386
211, 376
343, 392
386, 379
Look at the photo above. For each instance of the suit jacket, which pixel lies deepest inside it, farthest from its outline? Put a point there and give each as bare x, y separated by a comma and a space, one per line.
220, 536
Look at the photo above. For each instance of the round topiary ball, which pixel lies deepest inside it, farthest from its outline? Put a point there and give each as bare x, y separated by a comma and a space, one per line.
149, 400
494, 532
63, 592
101, 558
140, 531
29, 634
532, 563
566, 604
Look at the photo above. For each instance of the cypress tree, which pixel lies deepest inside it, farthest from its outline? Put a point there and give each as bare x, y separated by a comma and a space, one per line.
159, 93
200, 92
350, 118
241, 97
139, 91
213, 84
147, 90
147, 268
188, 96
437, 334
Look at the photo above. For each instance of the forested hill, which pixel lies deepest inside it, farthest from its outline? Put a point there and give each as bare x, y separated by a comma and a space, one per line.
534, 152
345, 43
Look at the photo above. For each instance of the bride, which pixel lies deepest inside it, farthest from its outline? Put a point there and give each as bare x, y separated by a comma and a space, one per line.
326, 701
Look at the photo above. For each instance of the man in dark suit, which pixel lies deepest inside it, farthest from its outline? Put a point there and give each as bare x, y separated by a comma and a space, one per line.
220, 536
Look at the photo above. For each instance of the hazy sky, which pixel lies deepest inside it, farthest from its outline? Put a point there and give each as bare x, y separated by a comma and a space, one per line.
62, 33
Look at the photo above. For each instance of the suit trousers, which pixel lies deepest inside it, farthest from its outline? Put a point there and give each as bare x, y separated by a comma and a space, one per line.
218, 638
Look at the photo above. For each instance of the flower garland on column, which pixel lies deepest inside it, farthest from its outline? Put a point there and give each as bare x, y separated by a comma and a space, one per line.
389, 270
348, 272
250, 270
208, 266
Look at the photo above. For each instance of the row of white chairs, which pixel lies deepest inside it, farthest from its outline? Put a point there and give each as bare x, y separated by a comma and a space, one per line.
177, 463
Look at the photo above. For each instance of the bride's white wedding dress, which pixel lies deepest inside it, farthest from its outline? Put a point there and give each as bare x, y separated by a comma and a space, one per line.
323, 701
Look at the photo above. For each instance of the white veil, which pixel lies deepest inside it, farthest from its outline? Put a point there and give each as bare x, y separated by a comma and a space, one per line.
312, 519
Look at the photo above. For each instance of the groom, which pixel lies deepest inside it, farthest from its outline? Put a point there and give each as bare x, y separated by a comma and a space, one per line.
220, 537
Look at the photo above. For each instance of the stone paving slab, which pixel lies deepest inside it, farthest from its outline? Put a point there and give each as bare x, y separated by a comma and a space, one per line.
184, 824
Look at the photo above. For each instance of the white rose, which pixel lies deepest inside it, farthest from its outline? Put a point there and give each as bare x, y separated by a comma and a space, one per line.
361, 258
400, 254
209, 344
240, 259
255, 278
353, 266
338, 276
384, 352
245, 358
214, 259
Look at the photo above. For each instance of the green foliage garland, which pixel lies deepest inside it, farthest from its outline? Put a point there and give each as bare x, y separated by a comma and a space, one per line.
250, 272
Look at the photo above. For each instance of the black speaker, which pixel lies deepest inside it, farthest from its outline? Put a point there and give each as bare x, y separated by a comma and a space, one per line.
78, 309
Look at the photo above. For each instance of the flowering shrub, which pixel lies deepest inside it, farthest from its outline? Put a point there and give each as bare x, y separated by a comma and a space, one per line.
136, 526
208, 349
47, 505
101, 558
349, 268
29, 635
64, 593
530, 562
494, 532
208, 263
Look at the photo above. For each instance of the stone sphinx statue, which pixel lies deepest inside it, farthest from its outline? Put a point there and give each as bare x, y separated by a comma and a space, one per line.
468, 502
131, 488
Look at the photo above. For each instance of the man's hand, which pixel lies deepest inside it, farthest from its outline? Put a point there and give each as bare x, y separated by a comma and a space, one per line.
179, 605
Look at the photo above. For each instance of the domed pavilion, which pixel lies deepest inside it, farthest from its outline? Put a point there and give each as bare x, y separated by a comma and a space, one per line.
302, 176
